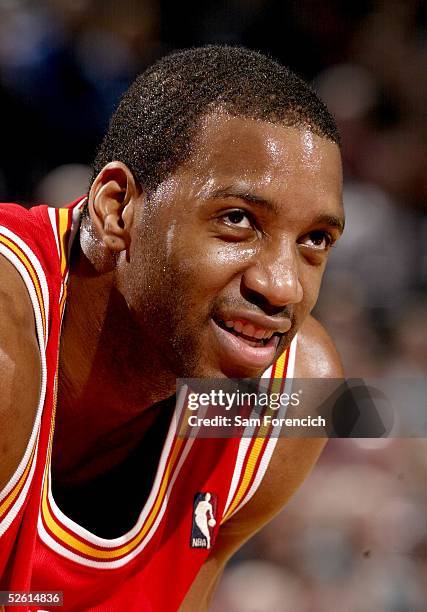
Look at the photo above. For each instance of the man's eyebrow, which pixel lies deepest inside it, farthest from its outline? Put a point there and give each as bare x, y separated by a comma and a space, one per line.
331, 220
243, 194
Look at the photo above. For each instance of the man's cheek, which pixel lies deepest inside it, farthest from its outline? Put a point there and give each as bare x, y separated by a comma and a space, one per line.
203, 266
219, 264
232, 255
311, 289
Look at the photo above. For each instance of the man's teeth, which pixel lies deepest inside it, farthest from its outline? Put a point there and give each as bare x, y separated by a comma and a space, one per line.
248, 329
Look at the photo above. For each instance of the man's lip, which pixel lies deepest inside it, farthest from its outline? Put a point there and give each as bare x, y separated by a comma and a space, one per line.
235, 353
281, 326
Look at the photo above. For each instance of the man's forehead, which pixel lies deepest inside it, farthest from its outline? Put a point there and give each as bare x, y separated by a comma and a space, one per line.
244, 147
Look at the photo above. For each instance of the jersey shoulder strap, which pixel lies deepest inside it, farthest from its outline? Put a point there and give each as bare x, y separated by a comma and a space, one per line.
255, 452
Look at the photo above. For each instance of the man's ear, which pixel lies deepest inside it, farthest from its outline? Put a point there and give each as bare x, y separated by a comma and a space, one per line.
111, 205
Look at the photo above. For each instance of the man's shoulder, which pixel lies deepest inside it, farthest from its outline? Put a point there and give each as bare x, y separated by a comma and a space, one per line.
29, 225
37, 237
317, 356
11, 210
13, 216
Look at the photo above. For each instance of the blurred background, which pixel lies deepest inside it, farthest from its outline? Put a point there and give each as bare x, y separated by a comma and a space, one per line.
354, 538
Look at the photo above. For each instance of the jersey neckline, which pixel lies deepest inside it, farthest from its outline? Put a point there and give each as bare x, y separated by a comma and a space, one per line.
64, 534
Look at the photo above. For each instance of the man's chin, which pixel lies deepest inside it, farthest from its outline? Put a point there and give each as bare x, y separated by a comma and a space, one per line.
225, 357
218, 371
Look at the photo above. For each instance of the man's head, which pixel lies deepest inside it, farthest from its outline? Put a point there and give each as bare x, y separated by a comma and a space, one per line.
154, 126
218, 187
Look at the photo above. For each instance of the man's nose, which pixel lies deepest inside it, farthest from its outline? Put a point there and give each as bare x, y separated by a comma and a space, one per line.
274, 276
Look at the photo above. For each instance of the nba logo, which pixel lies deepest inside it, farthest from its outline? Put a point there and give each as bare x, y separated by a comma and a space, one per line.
204, 521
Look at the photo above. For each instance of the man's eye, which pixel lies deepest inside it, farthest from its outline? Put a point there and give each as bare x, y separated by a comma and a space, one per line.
238, 218
321, 241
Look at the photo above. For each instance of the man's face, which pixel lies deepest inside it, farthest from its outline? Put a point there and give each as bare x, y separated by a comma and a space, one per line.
227, 255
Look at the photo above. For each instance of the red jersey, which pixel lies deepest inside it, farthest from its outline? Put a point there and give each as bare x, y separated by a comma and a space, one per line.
199, 484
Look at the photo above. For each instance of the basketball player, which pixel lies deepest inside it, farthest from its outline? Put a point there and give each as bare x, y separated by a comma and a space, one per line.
199, 251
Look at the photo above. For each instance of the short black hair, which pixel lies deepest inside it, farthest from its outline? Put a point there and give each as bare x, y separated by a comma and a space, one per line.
157, 118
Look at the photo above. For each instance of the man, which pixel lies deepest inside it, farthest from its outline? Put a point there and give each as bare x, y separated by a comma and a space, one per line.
199, 252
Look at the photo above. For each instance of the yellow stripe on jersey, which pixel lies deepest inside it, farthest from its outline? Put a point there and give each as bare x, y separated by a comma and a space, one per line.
258, 445
103, 554
64, 215
30, 269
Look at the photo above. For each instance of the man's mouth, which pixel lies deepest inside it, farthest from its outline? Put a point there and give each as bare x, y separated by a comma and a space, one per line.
245, 346
249, 333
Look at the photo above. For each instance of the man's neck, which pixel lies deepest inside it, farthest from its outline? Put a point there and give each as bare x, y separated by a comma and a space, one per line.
108, 378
